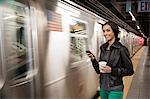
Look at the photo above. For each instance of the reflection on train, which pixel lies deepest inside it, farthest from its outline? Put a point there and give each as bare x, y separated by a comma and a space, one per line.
51, 63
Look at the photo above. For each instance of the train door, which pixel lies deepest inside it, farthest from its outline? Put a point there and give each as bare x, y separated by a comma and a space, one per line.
19, 59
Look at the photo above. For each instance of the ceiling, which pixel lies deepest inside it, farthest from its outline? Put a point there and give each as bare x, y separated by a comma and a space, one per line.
118, 7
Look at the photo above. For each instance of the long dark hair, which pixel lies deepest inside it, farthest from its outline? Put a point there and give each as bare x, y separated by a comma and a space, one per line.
114, 27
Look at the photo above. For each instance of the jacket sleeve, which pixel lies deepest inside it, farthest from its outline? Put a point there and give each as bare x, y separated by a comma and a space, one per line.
96, 66
127, 68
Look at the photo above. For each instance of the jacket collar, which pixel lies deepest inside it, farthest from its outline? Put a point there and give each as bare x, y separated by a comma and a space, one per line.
116, 44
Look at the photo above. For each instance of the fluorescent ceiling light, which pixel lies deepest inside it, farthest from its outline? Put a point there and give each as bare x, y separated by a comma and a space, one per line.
138, 27
133, 18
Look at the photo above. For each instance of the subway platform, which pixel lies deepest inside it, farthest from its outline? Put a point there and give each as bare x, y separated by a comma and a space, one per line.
140, 88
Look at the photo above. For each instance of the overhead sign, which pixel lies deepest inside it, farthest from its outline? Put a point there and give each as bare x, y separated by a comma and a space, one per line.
128, 6
143, 6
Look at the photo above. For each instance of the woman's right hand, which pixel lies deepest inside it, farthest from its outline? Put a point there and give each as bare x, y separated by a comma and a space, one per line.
90, 55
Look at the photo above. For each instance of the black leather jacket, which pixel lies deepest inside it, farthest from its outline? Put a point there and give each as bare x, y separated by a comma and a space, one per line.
120, 62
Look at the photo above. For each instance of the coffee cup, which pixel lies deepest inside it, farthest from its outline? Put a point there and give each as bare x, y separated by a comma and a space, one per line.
101, 64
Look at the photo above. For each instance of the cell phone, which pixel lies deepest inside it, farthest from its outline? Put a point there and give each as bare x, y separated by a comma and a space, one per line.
89, 52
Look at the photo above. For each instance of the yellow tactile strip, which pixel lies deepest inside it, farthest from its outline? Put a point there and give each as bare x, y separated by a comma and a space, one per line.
127, 80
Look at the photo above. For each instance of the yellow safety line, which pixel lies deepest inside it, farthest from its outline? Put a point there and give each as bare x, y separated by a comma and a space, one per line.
127, 80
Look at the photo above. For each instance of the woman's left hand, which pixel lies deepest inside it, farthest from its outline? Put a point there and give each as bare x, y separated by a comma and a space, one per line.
106, 69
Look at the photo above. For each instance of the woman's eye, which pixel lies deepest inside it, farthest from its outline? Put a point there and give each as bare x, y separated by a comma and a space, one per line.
108, 30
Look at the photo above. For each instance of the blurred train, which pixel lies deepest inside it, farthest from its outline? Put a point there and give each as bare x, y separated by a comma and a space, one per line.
43, 47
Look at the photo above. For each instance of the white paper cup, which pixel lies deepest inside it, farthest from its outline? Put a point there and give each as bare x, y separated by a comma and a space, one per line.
102, 63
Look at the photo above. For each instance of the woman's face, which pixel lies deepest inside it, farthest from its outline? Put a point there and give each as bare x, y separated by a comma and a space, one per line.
108, 32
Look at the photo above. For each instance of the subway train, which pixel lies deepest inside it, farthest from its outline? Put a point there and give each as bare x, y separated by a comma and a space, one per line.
43, 47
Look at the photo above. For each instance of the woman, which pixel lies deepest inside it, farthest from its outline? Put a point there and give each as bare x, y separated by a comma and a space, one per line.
118, 63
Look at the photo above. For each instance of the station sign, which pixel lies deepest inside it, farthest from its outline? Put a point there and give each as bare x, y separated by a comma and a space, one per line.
144, 6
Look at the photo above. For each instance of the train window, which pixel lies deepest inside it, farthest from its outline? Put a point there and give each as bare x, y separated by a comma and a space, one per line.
17, 44
78, 32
